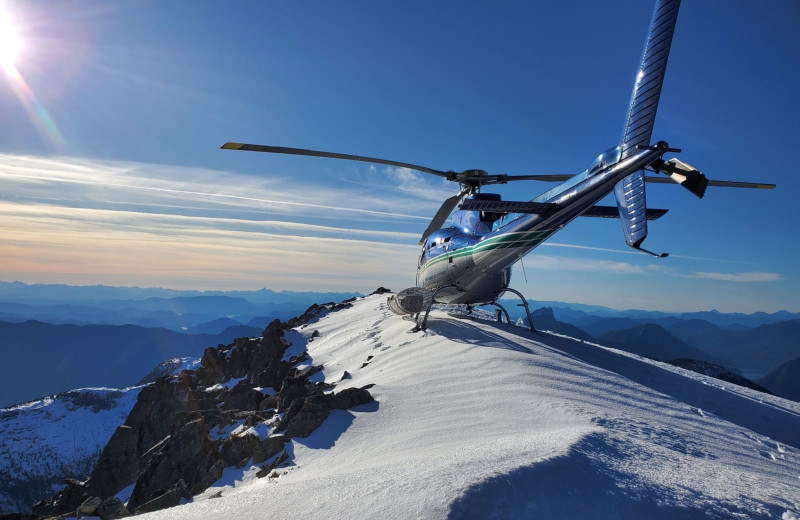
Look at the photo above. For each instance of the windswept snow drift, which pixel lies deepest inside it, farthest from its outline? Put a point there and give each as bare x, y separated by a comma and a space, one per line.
476, 419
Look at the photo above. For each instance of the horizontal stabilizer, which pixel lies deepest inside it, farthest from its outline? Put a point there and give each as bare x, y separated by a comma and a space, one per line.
508, 206
613, 212
540, 208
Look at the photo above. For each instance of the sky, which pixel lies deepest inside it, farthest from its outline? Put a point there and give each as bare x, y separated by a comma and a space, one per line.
113, 114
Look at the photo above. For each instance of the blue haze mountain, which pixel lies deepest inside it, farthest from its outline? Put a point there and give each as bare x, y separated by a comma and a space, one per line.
64, 357
784, 380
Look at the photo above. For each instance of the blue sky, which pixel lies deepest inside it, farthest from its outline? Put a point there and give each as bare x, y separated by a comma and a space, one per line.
114, 113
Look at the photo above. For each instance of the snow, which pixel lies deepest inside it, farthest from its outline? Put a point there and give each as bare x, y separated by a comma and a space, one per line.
478, 419
57, 437
228, 385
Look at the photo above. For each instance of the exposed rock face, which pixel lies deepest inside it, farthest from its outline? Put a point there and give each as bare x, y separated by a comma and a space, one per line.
306, 414
185, 429
187, 456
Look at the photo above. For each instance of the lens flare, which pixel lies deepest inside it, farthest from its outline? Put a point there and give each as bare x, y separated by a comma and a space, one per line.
10, 44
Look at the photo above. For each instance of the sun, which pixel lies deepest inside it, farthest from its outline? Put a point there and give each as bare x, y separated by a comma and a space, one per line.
10, 43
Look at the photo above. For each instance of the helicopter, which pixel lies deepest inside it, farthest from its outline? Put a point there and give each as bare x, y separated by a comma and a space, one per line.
475, 238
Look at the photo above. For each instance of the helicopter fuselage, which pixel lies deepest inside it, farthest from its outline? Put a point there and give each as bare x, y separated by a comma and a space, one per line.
469, 261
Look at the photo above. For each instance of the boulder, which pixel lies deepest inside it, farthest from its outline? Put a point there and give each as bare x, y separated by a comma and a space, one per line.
266, 448
237, 448
295, 388
305, 415
351, 398
89, 506
112, 508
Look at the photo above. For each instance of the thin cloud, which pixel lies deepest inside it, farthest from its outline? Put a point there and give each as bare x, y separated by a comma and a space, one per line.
32, 176
740, 277
562, 263
638, 253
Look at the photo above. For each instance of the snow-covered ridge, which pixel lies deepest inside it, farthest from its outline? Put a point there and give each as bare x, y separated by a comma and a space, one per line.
44, 441
477, 419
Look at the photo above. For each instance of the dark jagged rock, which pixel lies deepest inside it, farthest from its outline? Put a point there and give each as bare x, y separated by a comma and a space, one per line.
272, 375
112, 508
214, 474
265, 471
242, 397
118, 465
295, 388
89, 506
164, 446
306, 414
380, 290
351, 398
169, 499
266, 448
188, 456
160, 410
237, 448
67, 500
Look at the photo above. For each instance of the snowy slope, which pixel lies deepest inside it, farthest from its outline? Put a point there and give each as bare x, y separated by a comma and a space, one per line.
476, 419
43, 442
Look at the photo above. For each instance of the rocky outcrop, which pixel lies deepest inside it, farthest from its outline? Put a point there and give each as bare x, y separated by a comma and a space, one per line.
186, 429
306, 414
187, 456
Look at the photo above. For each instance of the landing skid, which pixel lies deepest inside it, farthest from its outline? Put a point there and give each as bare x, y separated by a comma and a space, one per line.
423, 325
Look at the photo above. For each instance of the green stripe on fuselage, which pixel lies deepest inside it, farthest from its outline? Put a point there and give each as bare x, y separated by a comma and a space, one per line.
508, 240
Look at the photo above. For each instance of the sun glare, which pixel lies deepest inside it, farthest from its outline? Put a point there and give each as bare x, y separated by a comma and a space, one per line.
10, 43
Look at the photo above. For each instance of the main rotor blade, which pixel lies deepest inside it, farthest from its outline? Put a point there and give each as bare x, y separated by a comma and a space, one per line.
446, 208
722, 184
330, 155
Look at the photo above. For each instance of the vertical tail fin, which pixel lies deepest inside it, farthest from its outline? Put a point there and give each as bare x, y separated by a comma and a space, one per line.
650, 77
630, 192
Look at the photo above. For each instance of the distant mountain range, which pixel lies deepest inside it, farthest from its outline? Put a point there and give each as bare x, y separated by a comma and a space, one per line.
41, 359
584, 316
75, 337
114, 335
18, 291
184, 311
767, 354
